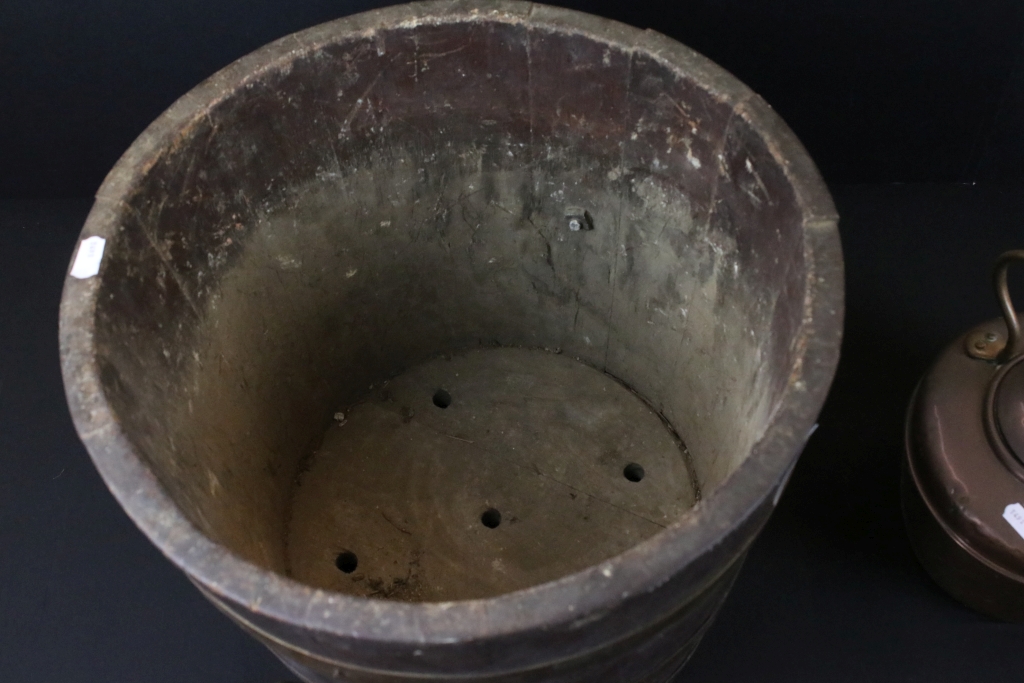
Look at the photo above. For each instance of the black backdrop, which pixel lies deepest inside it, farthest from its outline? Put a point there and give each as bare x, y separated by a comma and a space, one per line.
913, 111
878, 90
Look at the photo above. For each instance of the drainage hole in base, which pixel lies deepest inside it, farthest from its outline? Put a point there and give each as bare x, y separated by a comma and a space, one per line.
633, 472
346, 561
491, 518
442, 399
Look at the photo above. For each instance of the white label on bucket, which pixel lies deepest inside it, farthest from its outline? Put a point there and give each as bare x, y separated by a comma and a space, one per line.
87, 262
1014, 514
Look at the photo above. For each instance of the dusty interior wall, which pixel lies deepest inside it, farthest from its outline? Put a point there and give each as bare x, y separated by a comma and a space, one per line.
403, 193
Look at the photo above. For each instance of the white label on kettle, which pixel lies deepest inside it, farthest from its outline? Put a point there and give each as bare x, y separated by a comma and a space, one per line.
87, 262
1014, 514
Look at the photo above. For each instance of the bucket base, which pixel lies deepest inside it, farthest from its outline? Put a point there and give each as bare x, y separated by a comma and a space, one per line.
481, 473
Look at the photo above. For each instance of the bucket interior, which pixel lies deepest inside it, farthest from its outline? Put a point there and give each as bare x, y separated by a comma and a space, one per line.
590, 258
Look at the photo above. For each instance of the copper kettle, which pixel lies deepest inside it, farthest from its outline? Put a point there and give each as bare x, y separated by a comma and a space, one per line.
963, 476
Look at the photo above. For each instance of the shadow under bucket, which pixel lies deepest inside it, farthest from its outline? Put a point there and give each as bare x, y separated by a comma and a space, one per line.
462, 340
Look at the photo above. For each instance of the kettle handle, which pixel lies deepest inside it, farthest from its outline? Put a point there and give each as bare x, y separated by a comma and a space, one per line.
1014, 346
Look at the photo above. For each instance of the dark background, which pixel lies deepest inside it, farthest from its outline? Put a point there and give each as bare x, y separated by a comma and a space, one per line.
913, 111
878, 90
